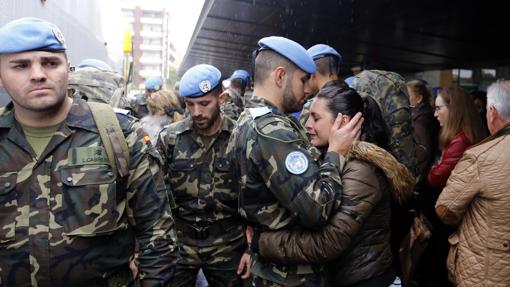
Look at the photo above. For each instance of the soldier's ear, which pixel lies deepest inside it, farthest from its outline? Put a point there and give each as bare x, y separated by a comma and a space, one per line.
279, 76
223, 97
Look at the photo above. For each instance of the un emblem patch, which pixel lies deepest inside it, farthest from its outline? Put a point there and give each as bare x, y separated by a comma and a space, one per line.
296, 162
205, 86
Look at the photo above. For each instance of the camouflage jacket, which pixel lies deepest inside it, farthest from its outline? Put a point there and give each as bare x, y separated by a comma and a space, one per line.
67, 220
200, 177
234, 105
281, 184
281, 181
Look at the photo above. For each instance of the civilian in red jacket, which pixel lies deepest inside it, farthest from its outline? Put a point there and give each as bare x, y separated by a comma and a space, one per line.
460, 128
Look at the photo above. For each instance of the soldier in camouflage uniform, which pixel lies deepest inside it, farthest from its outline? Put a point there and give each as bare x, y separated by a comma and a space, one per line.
152, 85
327, 60
94, 81
233, 104
67, 217
209, 228
282, 186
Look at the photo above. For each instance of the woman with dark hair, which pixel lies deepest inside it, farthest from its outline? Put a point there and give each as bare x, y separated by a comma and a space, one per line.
356, 238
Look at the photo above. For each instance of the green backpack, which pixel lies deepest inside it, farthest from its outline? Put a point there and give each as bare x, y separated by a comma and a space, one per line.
389, 90
99, 86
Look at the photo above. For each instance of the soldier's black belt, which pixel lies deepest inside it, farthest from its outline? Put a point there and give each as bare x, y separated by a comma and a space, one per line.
204, 230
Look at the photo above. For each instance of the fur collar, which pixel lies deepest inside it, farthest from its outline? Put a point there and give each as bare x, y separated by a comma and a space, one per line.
399, 177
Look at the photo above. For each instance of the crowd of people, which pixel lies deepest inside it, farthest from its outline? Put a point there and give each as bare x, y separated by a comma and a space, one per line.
303, 179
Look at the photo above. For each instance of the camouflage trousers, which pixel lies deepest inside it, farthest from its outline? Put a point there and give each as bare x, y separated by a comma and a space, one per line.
219, 264
293, 280
270, 274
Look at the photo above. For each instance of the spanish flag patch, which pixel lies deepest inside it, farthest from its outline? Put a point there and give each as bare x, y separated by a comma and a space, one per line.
146, 138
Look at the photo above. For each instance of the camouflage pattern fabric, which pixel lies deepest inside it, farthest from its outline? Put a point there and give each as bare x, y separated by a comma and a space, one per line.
234, 105
305, 112
209, 228
277, 192
389, 90
100, 86
68, 220
139, 106
218, 264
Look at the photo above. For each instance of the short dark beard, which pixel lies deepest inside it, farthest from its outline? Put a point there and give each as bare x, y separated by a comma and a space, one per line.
211, 121
290, 105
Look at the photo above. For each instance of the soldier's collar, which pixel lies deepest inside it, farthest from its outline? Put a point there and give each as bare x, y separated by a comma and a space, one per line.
258, 101
7, 116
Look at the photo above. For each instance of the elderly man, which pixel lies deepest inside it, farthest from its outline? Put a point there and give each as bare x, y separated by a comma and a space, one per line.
476, 199
68, 217
282, 186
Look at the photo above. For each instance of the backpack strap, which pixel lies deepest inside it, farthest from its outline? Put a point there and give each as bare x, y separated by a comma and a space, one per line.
112, 137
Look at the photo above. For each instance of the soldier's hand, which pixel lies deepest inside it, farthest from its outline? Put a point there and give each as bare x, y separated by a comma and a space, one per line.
244, 265
341, 138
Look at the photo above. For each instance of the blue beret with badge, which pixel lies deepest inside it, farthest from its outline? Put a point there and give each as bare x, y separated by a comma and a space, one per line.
30, 34
94, 63
290, 50
321, 50
199, 80
153, 83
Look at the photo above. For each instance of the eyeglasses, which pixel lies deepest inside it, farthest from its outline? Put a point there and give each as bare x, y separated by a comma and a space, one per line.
438, 108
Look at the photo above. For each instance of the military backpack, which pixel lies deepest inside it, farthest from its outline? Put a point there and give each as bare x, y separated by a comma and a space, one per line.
94, 85
389, 90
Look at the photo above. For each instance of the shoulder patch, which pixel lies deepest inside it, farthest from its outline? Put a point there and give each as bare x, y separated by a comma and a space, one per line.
296, 162
257, 112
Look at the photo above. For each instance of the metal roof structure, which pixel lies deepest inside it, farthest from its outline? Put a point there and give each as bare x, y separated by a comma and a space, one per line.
398, 35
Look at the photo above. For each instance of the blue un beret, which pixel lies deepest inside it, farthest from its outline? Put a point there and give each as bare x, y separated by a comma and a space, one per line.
199, 80
240, 74
321, 50
153, 83
94, 63
30, 34
290, 50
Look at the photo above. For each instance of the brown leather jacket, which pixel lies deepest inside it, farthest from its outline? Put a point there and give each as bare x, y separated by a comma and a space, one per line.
357, 237
477, 198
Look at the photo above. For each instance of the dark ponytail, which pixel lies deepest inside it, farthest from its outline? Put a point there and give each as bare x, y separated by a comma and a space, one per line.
348, 102
374, 128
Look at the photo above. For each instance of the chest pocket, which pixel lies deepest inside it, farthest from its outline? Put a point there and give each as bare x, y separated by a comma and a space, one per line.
224, 189
8, 207
183, 177
89, 201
